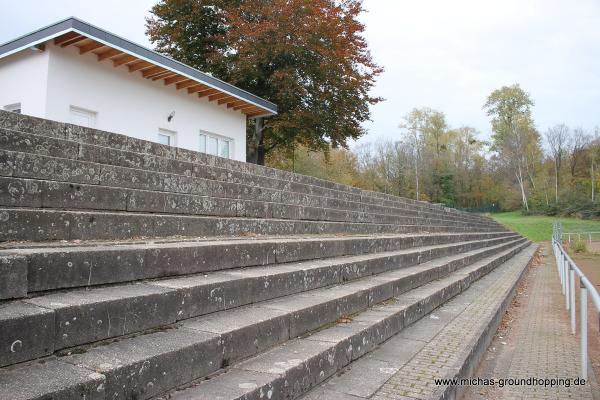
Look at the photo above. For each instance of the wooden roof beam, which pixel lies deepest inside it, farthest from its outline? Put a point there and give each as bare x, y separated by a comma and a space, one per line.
175, 79
66, 37
124, 60
166, 74
198, 87
227, 99
255, 114
186, 84
207, 92
89, 47
150, 72
72, 41
140, 65
236, 103
109, 54
217, 96
243, 106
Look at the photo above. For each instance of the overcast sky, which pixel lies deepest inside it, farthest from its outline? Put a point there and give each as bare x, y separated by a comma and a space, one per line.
447, 55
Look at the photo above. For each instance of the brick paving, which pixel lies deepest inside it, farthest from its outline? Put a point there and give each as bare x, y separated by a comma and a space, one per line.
545, 347
440, 356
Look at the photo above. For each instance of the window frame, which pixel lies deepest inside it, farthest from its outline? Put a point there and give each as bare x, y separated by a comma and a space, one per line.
14, 107
171, 134
90, 114
206, 136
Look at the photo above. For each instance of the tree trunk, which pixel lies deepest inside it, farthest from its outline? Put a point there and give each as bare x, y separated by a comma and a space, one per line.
522, 186
256, 154
417, 177
593, 181
555, 182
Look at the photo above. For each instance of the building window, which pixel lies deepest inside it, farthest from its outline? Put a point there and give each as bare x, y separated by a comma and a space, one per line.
214, 144
16, 108
167, 137
83, 117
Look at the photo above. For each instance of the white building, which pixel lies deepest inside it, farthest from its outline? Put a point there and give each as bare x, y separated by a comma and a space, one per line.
74, 72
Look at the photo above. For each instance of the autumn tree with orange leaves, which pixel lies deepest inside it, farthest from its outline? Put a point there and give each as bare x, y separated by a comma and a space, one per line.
307, 56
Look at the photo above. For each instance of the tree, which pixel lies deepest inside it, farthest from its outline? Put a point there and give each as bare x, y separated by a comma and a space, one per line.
308, 57
558, 138
514, 134
577, 145
414, 125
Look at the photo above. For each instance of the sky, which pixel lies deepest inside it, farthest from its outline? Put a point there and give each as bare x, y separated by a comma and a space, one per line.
447, 55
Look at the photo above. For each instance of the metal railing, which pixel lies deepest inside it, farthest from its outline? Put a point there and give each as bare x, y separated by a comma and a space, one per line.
579, 235
568, 272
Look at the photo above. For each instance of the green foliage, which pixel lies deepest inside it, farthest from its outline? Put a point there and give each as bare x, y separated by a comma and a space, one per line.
446, 185
572, 203
309, 58
509, 107
580, 247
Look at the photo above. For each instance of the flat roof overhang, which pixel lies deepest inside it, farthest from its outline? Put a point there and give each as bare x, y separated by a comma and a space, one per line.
152, 65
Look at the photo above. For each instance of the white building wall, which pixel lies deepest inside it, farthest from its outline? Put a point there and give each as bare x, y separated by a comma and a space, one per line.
129, 104
23, 78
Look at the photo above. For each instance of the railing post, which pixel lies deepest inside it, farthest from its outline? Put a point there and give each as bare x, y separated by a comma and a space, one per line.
562, 273
567, 286
583, 328
573, 305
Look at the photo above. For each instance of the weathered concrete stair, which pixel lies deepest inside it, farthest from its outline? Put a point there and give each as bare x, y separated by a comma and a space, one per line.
38, 268
446, 345
289, 370
55, 189
87, 163
85, 316
145, 155
38, 157
130, 269
200, 346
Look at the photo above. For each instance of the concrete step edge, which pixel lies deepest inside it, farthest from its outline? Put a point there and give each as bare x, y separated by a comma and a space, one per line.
73, 175
79, 317
225, 172
290, 370
195, 353
30, 270
46, 224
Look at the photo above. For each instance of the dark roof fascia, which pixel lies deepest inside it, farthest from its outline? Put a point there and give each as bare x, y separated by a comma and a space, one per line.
73, 24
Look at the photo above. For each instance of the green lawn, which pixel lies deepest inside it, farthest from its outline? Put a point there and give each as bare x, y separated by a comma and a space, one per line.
539, 228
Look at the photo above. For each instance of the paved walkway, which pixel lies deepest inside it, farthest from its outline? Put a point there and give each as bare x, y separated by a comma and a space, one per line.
545, 347
440, 357
534, 341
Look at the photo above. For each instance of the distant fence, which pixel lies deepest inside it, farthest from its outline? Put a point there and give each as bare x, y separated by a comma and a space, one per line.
568, 272
587, 236
483, 209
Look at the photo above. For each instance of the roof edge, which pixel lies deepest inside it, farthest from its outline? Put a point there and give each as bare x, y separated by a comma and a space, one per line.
73, 24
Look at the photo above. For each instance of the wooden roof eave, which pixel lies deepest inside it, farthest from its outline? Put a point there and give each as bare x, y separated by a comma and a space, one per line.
156, 72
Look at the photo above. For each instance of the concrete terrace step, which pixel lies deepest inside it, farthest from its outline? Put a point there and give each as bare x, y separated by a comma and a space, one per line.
447, 345
63, 195
110, 140
50, 224
62, 182
74, 153
150, 364
85, 316
289, 370
35, 268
